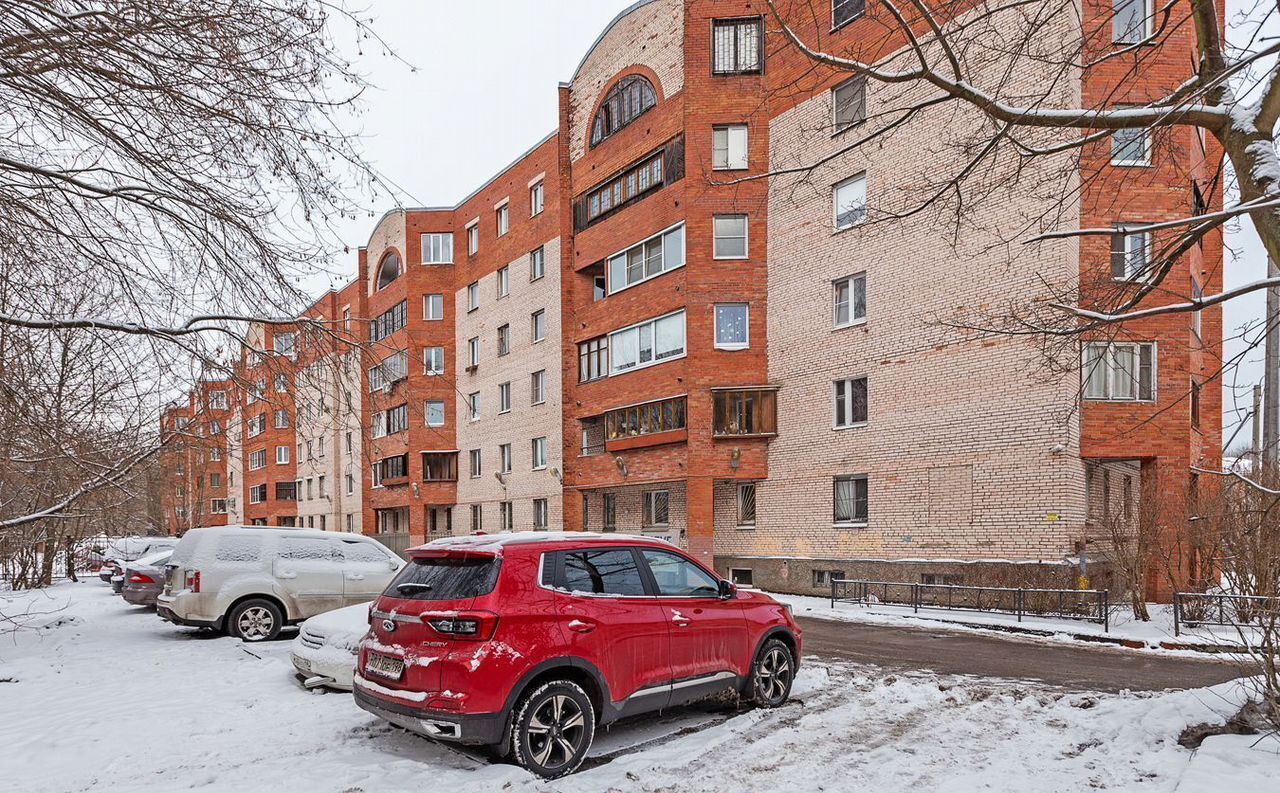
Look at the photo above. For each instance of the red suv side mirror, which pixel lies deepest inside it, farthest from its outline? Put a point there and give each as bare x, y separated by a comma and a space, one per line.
727, 589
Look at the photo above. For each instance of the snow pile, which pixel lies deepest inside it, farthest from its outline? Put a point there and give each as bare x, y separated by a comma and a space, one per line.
211, 713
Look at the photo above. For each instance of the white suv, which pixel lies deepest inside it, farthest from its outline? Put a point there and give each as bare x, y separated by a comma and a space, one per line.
252, 580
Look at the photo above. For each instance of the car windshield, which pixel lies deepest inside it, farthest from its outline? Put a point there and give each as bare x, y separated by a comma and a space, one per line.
157, 558
445, 578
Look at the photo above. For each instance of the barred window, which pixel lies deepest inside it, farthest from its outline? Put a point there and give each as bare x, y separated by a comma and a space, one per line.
850, 501
735, 47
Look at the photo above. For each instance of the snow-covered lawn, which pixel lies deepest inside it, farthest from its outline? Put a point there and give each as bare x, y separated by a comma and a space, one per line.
109, 697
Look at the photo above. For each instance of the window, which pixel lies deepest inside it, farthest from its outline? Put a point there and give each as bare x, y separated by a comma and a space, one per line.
1130, 253
501, 217
504, 458
535, 199
257, 459
610, 512
503, 279
350, 443
744, 412
282, 383
376, 475
433, 307
388, 322
257, 494
473, 238
538, 325
439, 466
1131, 147
504, 340
538, 387
284, 344
730, 233
474, 461
849, 202
612, 572
850, 402
747, 504
625, 102
1120, 371
281, 419
539, 514
850, 299
433, 360
397, 419
1194, 399
218, 506
473, 351
648, 259
655, 512
393, 368
1130, 21
506, 516
1197, 294
477, 519
282, 455
735, 46
666, 415
437, 248
388, 269
215, 454
287, 491
593, 359
257, 425
849, 103
741, 576
648, 343
473, 406
539, 453
473, 296
433, 412
678, 577
631, 184
823, 578
217, 400
537, 264
396, 467
732, 326
729, 147
504, 397
850, 501
215, 481
351, 489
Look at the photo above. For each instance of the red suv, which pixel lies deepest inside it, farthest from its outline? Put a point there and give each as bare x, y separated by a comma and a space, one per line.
527, 642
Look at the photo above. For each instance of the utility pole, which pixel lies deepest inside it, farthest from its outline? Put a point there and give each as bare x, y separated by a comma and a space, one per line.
1271, 377
1255, 446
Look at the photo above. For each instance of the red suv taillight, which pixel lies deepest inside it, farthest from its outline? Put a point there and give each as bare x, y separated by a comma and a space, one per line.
474, 625
191, 580
139, 578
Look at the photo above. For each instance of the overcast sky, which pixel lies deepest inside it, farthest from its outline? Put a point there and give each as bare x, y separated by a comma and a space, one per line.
483, 91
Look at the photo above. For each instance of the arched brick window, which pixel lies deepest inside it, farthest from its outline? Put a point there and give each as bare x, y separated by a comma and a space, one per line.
625, 102
389, 270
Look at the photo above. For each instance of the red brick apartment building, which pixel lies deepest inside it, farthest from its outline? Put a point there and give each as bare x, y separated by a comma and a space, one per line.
631, 328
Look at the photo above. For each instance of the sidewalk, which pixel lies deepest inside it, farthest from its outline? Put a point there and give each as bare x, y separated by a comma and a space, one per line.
1125, 631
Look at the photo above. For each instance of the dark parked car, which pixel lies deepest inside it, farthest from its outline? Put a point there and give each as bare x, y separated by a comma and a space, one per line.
528, 641
144, 579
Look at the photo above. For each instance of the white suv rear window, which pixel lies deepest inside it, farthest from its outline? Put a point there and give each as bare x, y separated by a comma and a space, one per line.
239, 548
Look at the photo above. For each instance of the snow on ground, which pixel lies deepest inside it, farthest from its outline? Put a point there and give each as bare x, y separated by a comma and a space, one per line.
107, 696
1123, 625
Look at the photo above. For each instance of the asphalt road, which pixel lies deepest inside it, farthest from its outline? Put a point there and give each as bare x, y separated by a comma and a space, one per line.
1092, 668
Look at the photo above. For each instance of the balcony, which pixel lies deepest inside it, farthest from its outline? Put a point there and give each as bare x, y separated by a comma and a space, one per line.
439, 466
744, 412
648, 424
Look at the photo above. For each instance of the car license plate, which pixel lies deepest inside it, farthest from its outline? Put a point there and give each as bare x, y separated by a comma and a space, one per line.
384, 666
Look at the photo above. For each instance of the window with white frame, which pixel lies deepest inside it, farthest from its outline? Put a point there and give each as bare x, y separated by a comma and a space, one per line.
397, 419
437, 248
538, 387
217, 400
736, 45
593, 359
1120, 371
656, 508
849, 202
473, 351
375, 475
477, 519
850, 402
473, 296
473, 458
506, 512
1197, 294
504, 397
257, 494
539, 453
281, 419
732, 326
849, 501
215, 427
433, 411
218, 506
502, 216
473, 406
538, 326
849, 296
848, 104
504, 340
284, 344
215, 454
433, 360
1131, 147
503, 279
257, 459
537, 264
729, 147
282, 455
504, 458
433, 307
473, 237
648, 343
647, 259
350, 482
729, 236
257, 425
535, 199
1130, 253
539, 514
1131, 21
282, 383
747, 504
